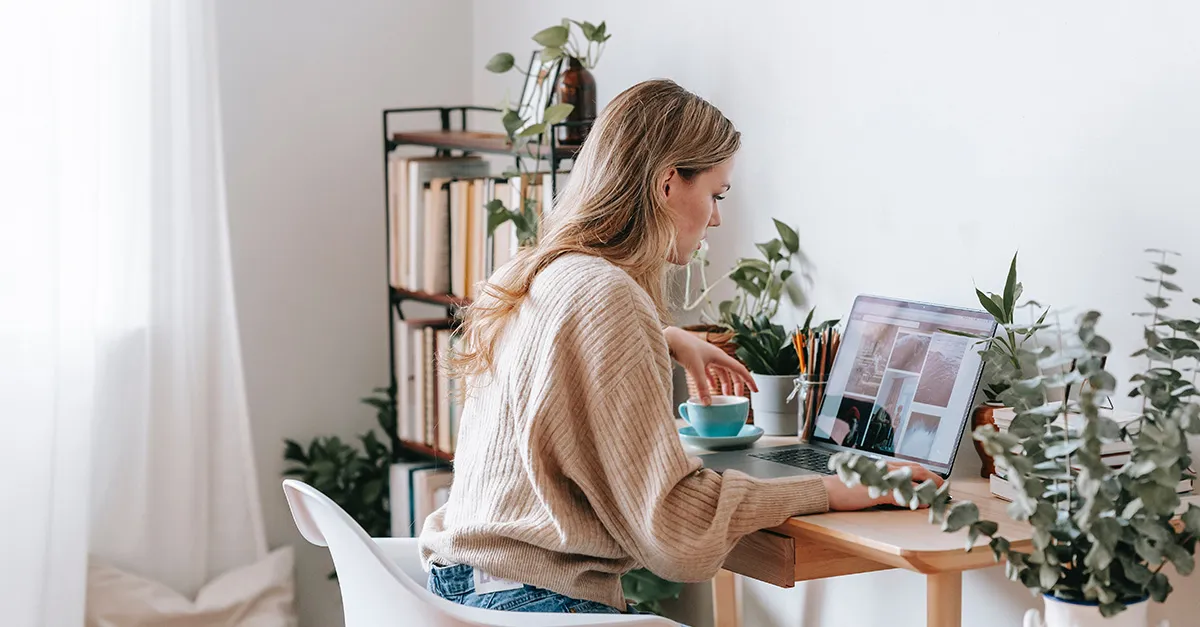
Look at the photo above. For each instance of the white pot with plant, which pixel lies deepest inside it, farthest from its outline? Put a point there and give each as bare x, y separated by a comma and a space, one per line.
1101, 536
743, 325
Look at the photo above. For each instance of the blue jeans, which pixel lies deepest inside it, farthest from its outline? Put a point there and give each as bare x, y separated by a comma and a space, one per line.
457, 584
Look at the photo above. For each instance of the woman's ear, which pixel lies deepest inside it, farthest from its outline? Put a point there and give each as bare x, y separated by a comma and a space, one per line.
669, 178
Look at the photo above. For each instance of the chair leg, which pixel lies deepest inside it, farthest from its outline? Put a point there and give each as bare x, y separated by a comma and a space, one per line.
727, 607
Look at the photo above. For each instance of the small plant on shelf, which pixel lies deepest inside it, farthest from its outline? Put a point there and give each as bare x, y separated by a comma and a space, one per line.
1101, 535
528, 126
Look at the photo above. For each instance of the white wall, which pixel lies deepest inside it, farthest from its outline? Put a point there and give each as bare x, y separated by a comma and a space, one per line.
303, 83
918, 145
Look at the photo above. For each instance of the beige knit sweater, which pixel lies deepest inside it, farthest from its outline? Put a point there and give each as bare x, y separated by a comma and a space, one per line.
569, 471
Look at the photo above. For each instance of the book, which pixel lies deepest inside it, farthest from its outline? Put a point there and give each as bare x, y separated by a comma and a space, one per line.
430, 490
1001, 488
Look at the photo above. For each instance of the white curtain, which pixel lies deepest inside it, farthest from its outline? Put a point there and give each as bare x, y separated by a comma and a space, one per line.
124, 436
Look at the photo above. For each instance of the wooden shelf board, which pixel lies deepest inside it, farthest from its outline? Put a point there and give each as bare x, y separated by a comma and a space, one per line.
474, 141
446, 300
427, 451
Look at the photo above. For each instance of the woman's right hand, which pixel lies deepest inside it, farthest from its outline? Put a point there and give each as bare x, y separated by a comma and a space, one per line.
843, 498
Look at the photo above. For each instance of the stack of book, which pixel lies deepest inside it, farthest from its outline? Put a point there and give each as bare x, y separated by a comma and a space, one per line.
1114, 454
437, 215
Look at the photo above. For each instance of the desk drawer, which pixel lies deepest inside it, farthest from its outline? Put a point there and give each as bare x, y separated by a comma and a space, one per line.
782, 560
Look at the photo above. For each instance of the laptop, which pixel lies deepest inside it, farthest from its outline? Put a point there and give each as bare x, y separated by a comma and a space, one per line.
901, 388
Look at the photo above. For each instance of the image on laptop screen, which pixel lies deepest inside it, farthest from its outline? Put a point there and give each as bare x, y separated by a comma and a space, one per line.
901, 387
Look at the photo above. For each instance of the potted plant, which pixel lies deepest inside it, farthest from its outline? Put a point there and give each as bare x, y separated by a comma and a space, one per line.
742, 325
1101, 535
1005, 357
573, 113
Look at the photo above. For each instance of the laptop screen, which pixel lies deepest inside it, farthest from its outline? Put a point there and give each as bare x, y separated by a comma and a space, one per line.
900, 386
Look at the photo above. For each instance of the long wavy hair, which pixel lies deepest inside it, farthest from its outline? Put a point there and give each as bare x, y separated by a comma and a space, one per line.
612, 207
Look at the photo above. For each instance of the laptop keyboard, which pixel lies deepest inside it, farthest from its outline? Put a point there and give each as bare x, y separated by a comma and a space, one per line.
806, 458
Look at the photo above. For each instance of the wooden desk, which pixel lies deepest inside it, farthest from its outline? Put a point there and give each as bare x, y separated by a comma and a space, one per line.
846, 543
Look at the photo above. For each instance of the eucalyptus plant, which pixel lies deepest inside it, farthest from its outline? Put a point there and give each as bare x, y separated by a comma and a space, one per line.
526, 134
1100, 534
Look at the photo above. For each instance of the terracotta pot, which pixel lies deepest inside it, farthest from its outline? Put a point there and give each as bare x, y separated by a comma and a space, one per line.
577, 87
982, 416
722, 338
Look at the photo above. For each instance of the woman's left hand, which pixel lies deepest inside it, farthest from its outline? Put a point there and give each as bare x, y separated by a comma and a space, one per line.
705, 362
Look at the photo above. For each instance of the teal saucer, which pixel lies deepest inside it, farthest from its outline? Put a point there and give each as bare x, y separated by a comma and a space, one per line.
744, 438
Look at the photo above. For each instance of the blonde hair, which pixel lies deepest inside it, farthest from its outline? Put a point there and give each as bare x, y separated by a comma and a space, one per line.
613, 206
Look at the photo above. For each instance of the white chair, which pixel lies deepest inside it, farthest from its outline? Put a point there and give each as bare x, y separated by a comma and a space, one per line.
383, 584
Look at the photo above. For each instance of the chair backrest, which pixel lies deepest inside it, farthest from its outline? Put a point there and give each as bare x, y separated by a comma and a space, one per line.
375, 590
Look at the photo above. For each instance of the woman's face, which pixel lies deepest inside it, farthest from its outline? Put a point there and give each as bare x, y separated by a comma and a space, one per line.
693, 205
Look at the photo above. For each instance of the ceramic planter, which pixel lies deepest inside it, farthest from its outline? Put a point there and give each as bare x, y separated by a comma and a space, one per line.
1059, 613
773, 412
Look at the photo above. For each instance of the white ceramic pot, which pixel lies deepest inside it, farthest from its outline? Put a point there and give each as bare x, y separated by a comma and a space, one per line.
773, 412
1061, 613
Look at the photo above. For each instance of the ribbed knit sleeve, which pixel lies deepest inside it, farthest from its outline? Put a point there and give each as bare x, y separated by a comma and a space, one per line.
609, 420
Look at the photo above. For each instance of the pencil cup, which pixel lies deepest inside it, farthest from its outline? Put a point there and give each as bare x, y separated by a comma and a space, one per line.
808, 395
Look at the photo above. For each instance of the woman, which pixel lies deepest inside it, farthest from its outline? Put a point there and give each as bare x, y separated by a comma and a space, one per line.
569, 471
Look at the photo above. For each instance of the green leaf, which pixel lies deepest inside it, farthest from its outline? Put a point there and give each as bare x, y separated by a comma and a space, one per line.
294, 452
557, 113
1159, 587
532, 130
1047, 576
552, 54
961, 514
500, 63
602, 33
552, 37
1191, 519
784, 276
791, 241
770, 249
990, 306
1010, 287
1158, 302
1167, 285
372, 490
589, 30
1164, 268
512, 121
1062, 449
1181, 558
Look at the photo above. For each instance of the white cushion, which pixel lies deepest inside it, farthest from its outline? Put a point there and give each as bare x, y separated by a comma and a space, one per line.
258, 595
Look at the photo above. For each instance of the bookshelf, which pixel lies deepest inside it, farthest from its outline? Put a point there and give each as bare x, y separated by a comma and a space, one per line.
448, 139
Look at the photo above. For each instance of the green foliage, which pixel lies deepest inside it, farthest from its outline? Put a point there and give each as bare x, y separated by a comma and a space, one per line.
526, 135
1100, 534
764, 347
760, 284
647, 591
354, 477
1004, 356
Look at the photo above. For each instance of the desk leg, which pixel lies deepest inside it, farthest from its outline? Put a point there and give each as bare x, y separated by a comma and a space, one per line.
727, 610
943, 600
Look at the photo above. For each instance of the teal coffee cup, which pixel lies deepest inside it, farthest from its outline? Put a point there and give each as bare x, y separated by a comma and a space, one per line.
724, 418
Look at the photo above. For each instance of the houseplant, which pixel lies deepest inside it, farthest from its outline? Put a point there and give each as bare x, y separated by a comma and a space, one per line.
1004, 356
527, 129
742, 325
1101, 535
